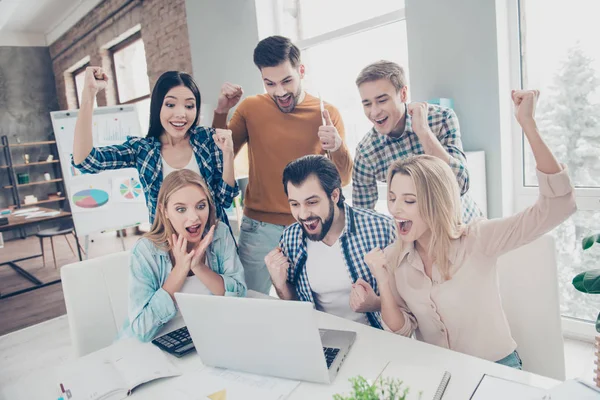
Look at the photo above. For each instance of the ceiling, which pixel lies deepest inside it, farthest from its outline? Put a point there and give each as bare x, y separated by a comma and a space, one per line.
39, 22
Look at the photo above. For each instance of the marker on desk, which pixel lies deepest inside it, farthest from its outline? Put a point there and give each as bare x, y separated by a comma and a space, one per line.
323, 119
62, 392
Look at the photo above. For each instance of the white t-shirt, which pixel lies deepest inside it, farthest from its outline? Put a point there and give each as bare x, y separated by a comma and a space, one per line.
194, 285
192, 165
330, 280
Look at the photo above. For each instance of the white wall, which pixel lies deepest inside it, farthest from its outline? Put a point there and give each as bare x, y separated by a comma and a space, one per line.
223, 35
453, 49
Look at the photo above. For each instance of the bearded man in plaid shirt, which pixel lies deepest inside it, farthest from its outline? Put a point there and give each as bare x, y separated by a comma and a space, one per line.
320, 258
401, 130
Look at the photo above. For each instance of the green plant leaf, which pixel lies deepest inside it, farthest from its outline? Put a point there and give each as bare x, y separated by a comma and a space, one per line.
598, 323
588, 282
382, 389
589, 241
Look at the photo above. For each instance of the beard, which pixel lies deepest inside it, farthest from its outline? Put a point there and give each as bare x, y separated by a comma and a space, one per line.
325, 225
293, 104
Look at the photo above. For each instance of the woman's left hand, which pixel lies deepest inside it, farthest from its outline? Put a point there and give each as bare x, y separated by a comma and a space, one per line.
200, 250
525, 102
224, 140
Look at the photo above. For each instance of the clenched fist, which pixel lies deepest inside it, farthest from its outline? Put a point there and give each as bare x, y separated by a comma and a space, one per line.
277, 264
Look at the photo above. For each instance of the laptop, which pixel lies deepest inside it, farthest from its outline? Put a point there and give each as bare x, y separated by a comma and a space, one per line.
264, 337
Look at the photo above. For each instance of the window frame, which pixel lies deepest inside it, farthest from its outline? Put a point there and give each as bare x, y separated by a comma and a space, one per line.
587, 199
114, 49
353, 29
73, 75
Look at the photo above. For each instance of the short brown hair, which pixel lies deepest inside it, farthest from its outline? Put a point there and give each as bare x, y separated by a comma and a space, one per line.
275, 50
383, 70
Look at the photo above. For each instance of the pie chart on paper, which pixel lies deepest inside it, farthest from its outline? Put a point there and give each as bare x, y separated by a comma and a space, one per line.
130, 189
90, 198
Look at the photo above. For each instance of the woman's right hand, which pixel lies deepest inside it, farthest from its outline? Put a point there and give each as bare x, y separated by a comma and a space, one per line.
95, 80
377, 263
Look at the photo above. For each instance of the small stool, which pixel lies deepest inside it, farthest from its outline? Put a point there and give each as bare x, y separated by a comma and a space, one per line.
62, 230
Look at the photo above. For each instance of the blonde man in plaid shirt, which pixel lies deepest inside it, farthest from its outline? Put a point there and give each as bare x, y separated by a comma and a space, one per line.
401, 130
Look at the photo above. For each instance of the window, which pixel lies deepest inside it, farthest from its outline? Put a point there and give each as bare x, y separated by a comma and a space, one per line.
79, 78
337, 45
131, 76
303, 19
564, 63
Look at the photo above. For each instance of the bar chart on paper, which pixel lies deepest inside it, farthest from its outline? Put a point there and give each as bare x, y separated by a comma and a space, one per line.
111, 130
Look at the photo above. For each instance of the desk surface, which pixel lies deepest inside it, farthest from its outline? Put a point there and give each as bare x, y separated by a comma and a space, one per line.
16, 221
32, 353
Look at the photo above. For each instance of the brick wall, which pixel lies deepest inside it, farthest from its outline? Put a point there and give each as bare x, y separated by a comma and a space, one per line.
163, 29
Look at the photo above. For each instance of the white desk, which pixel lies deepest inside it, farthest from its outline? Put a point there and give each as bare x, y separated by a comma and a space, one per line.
28, 357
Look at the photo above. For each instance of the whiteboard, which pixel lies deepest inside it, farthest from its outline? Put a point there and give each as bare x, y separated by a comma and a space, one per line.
111, 199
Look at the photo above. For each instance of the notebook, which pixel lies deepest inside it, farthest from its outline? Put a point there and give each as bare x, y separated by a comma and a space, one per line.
114, 372
424, 383
493, 388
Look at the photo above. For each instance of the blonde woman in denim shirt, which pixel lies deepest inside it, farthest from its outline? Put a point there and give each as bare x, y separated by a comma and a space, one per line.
187, 250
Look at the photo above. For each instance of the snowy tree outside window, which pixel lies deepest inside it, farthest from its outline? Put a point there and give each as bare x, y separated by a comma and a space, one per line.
561, 57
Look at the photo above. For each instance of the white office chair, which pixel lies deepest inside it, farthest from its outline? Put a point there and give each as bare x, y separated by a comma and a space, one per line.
96, 296
529, 287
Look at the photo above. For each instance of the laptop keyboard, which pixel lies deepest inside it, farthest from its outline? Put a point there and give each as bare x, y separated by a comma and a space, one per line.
330, 354
177, 342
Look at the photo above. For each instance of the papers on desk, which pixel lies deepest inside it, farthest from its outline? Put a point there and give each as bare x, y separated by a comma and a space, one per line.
40, 214
424, 383
494, 388
25, 211
573, 389
220, 384
128, 364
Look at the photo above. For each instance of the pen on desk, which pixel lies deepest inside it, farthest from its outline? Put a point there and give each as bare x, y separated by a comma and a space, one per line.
62, 388
322, 106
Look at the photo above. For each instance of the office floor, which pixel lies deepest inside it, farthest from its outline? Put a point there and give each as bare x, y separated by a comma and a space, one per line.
47, 303
31, 308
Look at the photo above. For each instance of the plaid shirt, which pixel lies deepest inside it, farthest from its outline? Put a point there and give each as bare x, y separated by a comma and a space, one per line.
376, 153
364, 231
144, 155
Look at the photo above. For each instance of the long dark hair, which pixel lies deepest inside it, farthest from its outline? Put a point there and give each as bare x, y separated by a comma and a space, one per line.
166, 82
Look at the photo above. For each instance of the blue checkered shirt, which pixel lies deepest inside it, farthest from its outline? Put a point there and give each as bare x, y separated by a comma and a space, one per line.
364, 231
144, 155
376, 153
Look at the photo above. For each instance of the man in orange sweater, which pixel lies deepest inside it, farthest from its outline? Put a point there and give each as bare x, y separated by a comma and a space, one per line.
280, 126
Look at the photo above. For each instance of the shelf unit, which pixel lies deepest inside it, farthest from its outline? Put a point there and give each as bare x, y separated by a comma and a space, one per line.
15, 187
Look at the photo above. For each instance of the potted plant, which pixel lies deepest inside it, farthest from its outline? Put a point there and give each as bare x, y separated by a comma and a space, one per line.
386, 389
589, 282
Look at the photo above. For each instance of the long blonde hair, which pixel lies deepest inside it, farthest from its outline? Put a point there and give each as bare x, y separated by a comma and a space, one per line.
162, 230
438, 199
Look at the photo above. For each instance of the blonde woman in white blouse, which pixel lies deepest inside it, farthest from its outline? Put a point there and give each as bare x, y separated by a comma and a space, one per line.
439, 279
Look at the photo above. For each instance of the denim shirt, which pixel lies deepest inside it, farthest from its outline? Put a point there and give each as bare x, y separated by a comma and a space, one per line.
144, 154
150, 306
